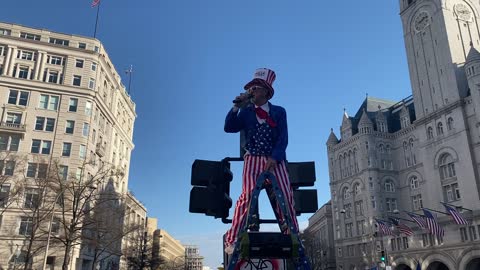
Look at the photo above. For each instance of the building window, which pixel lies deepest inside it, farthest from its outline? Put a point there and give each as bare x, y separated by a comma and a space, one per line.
30, 36
32, 198
94, 66
450, 123
429, 133
77, 80
447, 166
451, 192
91, 83
41, 147
56, 60
82, 45
359, 208
473, 233
417, 202
83, 151
18, 97
41, 124
70, 127
63, 172
37, 170
14, 118
374, 204
440, 128
382, 127
5, 32
59, 41
88, 108
48, 102
4, 195
346, 193
85, 130
7, 168
348, 210
72, 105
463, 234
55, 229
79, 63
23, 72
26, 224
391, 204
414, 183
52, 76
25, 55
67, 148
389, 186
9, 142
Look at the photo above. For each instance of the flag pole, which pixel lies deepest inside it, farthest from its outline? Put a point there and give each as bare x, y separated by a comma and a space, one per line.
436, 211
96, 20
457, 206
404, 219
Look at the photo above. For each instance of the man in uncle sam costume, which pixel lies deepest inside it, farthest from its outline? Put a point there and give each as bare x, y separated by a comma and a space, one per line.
266, 139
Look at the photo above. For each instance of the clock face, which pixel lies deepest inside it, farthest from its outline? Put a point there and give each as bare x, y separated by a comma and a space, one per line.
463, 12
421, 21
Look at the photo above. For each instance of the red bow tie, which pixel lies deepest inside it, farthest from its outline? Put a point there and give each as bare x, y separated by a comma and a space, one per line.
262, 114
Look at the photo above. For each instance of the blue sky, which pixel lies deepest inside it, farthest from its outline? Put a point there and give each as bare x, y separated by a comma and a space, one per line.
191, 58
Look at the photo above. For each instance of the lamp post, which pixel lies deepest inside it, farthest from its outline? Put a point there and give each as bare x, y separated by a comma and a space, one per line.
50, 225
50, 230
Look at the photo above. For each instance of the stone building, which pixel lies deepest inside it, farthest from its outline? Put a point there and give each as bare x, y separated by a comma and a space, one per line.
65, 114
415, 153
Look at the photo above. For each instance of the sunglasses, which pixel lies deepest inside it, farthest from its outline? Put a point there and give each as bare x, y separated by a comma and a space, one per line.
253, 88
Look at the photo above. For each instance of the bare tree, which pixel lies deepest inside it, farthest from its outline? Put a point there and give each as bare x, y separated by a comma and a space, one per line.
78, 194
314, 250
107, 226
142, 252
36, 209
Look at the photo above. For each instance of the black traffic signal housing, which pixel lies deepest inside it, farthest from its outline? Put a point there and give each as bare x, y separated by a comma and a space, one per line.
302, 174
382, 256
210, 193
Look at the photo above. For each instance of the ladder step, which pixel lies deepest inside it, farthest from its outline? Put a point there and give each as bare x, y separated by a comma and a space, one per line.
268, 245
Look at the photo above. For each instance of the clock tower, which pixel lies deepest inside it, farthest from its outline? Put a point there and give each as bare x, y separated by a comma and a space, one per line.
438, 36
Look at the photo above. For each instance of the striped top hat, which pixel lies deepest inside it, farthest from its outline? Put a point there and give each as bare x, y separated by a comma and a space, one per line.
263, 77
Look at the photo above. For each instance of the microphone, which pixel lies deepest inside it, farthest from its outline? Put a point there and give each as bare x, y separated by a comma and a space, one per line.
236, 101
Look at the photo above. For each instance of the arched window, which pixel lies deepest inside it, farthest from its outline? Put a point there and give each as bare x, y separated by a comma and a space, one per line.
440, 128
387, 148
381, 149
345, 193
405, 146
389, 186
447, 166
450, 123
356, 189
414, 183
429, 133
410, 142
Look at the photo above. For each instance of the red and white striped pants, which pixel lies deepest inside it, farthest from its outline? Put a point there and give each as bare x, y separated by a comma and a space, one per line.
252, 168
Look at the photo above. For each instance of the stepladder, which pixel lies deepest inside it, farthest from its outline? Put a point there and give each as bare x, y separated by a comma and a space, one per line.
259, 249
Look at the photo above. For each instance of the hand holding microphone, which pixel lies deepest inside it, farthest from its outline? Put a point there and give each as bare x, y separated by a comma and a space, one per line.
242, 99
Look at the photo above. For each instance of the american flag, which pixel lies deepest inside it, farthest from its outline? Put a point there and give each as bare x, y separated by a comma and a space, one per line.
401, 227
384, 228
418, 219
95, 3
432, 224
456, 215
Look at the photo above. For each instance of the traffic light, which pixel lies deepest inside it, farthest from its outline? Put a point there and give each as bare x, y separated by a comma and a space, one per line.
382, 256
210, 194
302, 174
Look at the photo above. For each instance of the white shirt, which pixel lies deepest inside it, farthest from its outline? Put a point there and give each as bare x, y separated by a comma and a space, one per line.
265, 107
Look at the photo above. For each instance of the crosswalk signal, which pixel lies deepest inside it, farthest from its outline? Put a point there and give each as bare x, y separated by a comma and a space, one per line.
210, 194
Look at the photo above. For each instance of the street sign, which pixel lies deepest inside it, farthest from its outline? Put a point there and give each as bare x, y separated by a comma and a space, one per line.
388, 267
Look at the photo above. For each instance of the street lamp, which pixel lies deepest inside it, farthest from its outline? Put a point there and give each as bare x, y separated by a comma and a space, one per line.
50, 226
50, 230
